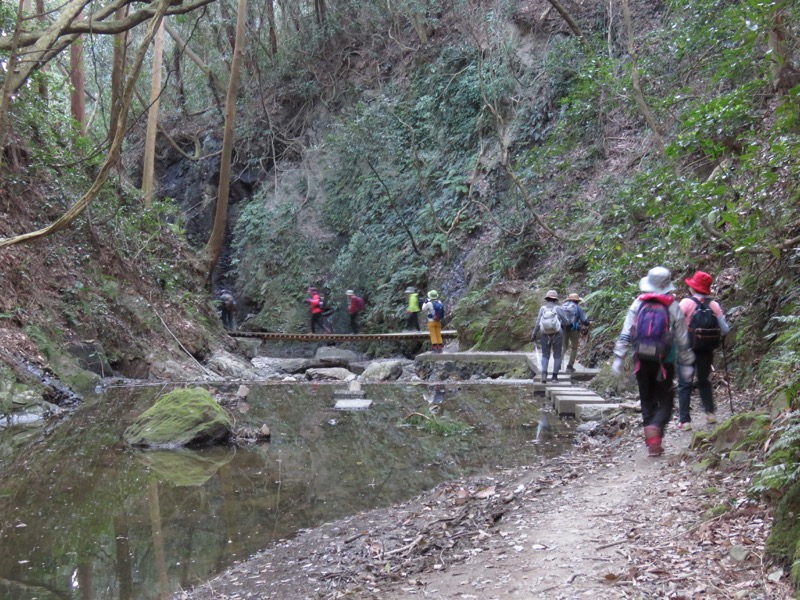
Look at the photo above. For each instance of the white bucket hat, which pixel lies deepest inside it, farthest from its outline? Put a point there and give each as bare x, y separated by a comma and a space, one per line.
658, 281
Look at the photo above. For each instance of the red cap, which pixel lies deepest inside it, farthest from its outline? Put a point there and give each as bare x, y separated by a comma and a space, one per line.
700, 282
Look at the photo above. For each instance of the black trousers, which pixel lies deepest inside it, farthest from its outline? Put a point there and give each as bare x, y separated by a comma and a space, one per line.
656, 392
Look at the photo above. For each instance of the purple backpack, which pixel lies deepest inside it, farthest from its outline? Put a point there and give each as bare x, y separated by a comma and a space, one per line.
651, 335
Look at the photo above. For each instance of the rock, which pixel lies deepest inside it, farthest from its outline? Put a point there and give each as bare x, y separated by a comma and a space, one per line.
91, 357
334, 373
230, 365
331, 354
186, 417
383, 371
243, 391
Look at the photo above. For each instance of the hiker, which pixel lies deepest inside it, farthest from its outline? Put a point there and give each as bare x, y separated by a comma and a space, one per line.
572, 334
655, 329
316, 306
707, 326
435, 311
227, 310
549, 331
412, 310
354, 307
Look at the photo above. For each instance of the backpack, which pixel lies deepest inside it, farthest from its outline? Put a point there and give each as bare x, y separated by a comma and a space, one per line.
358, 303
571, 310
651, 335
704, 329
550, 322
438, 310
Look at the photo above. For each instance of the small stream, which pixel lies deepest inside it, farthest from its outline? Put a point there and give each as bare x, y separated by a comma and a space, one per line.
83, 517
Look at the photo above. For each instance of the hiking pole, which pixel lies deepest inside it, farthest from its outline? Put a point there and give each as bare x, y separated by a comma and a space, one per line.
727, 373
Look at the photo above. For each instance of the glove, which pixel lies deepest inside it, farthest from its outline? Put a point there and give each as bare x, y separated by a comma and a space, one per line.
617, 365
686, 372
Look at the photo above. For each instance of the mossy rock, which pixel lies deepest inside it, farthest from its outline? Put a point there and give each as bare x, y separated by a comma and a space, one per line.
187, 417
783, 543
745, 432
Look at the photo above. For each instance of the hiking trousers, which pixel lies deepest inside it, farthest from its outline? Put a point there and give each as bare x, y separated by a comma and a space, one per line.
656, 392
413, 321
354, 323
571, 339
702, 371
551, 344
435, 330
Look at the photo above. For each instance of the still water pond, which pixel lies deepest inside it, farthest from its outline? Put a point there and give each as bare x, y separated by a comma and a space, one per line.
82, 517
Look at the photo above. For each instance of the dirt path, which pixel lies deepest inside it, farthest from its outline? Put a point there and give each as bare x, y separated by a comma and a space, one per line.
602, 522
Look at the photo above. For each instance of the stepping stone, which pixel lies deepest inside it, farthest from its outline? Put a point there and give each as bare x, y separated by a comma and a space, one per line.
565, 403
595, 412
352, 404
550, 390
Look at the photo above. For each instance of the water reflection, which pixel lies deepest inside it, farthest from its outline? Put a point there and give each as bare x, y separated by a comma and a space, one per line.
83, 517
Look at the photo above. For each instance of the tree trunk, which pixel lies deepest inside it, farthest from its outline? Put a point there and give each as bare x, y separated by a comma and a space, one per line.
567, 17
185, 48
644, 109
40, 16
118, 72
214, 246
320, 10
148, 178
273, 35
8, 88
77, 97
784, 73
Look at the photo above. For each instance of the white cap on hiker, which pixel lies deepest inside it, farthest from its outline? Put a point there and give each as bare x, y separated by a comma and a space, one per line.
658, 281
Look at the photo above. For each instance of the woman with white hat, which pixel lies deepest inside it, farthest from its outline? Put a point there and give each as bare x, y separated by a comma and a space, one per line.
549, 331
655, 329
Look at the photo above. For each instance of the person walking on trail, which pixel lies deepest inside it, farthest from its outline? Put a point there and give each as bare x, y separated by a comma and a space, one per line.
707, 326
578, 324
354, 307
549, 331
412, 310
316, 306
435, 311
655, 330
227, 310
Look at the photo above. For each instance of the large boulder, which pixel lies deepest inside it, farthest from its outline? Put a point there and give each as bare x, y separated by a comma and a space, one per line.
186, 417
383, 371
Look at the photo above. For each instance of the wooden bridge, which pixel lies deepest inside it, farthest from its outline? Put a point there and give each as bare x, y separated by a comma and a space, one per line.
400, 336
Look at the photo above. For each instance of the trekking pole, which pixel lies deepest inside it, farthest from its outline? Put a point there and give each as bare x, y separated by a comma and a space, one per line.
727, 374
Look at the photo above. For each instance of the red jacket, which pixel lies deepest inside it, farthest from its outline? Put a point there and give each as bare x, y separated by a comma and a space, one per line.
316, 303
356, 305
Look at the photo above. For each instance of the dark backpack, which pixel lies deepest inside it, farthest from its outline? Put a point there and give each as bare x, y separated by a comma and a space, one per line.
651, 335
438, 311
704, 329
571, 310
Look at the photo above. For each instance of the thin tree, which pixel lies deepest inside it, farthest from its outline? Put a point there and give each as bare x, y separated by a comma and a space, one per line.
148, 177
77, 96
118, 71
214, 246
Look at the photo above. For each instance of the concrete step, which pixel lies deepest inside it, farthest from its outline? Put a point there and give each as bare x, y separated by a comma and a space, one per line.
352, 404
579, 391
344, 394
565, 403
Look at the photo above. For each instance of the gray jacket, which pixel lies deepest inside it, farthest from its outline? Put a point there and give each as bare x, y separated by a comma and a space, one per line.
677, 325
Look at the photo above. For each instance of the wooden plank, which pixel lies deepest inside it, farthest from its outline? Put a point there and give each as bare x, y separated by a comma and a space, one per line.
339, 337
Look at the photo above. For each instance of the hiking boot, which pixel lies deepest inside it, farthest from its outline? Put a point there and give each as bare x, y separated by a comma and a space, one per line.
570, 369
652, 437
685, 426
555, 377
711, 419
